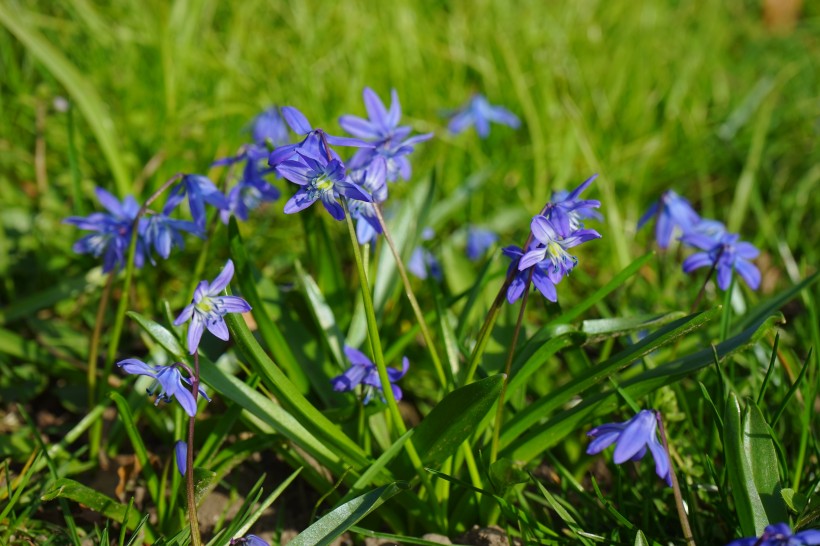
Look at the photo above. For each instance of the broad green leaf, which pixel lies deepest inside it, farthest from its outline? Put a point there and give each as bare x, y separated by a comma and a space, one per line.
538, 438
323, 315
640, 539
600, 329
96, 501
749, 507
81, 90
759, 448
455, 418
289, 396
161, 335
268, 330
524, 420
340, 519
504, 474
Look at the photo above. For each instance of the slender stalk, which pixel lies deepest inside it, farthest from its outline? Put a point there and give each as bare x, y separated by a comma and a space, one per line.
499, 412
93, 352
378, 358
189, 474
684, 519
705, 282
408, 289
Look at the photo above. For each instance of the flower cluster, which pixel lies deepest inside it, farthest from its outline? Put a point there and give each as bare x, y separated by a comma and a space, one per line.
546, 260
631, 439
362, 371
112, 231
719, 250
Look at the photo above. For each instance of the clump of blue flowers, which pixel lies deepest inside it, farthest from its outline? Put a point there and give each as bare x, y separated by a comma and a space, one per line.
208, 308
479, 113
780, 534
632, 438
546, 260
720, 250
363, 372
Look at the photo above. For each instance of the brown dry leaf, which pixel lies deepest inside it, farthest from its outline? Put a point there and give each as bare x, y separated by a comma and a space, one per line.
781, 15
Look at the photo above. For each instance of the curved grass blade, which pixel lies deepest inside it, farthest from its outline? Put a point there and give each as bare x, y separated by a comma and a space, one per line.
340, 519
748, 506
93, 499
758, 444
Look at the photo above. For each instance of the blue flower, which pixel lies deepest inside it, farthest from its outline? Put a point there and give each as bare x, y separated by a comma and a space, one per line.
540, 277
251, 189
566, 212
726, 254
363, 372
249, 540
479, 112
553, 247
671, 211
389, 139
168, 380
780, 534
423, 261
208, 308
163, 232
367, 223
112, 231
181, 456
269, 129
315, 142
478, 241
320, 180
200, 190
631, 439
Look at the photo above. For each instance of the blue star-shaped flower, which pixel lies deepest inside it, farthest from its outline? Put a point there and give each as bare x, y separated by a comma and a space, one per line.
367, 223
670, 211
631, 439
163, 232
320, 180
208, 308
389, 139
112, 231
566, 212
168, 380
248, 540
726, 254
552, 247
363, 372
200, 190
479, 112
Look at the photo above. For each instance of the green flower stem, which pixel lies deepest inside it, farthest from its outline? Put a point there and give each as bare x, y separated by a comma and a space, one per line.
408, 289
499, 412
189, 474
378, 359
684, 520
93, 352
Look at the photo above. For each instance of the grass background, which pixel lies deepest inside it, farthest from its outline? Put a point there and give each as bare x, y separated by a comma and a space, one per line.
699, 97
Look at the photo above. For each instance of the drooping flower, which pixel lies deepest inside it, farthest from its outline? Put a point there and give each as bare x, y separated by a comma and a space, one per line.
248, 540
670, 211
552, 247
208, 308
479, 112
367, 223
315, 142
269, 128
200, 190
540, 277
631, 439
389, 139
566, 212
251, 188
478, 241
112, 231
163, 232
726, 254
168, 380
780, 534
362, 371
422, 261
181, 456
320, 180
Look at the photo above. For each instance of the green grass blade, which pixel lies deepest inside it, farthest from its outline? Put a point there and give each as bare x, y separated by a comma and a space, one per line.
758, 444
151, 478
748, 506
96, 501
